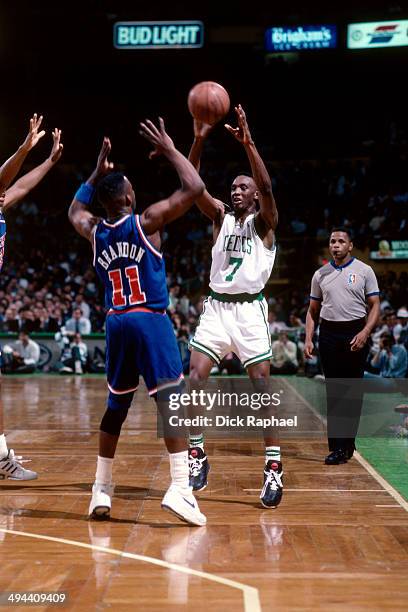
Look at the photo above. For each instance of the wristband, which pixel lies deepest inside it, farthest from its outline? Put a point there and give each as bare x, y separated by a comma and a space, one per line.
85, 193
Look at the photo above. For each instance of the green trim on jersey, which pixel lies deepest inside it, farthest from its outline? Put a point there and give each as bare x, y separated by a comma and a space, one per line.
268, 335
235, 298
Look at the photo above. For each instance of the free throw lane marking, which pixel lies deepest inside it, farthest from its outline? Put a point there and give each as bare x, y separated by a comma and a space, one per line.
250, 594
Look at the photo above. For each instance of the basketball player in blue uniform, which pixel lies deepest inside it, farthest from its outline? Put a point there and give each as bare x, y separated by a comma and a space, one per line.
139, 336
10, 467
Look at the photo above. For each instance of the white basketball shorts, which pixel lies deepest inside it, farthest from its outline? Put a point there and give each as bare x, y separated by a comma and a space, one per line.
239, 327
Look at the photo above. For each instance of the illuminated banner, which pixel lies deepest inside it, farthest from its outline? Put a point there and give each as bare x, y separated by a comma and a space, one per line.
377, 34
390, 249
301, 37
158, 34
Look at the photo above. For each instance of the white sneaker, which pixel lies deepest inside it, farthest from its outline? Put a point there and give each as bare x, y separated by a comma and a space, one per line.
10, 467
183, 505
101, 499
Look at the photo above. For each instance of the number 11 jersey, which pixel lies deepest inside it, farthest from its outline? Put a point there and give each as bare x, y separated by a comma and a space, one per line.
240, 261
131, 269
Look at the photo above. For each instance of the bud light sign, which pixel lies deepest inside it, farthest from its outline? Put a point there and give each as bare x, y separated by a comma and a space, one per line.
158, 34
300, 38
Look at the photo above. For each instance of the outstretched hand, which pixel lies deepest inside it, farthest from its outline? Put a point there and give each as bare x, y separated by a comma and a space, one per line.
33, 135
157, 136
57, 146
241, 133
103, 165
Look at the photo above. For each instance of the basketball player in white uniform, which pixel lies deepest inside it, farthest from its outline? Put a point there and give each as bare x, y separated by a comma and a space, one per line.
235, 315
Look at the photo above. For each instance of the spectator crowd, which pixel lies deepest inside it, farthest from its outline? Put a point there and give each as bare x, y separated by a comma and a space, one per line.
49, 285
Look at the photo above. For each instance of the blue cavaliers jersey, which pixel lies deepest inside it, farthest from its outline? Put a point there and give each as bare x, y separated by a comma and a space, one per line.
2, 238
131, 269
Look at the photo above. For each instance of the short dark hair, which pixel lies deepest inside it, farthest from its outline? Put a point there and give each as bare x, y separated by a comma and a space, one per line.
341, 228
244, 173
110, 187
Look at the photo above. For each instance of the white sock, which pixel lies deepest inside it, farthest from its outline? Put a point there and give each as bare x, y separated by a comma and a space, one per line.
179, 470
196, 440
103, 470
272, 452
3, 446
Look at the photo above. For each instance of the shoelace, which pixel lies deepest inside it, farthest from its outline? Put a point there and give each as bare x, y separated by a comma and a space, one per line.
273, 480
195, 466
13, 457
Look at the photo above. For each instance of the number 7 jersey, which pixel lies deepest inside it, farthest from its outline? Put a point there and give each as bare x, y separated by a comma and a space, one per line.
240, 261
131, 269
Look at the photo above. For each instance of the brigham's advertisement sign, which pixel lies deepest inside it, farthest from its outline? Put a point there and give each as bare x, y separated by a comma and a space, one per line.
158, 34
301, 37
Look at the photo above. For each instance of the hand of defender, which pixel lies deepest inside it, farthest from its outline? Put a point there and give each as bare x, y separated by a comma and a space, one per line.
157, 136
241, 133
201, 129
57, 146
33, 135
103, 165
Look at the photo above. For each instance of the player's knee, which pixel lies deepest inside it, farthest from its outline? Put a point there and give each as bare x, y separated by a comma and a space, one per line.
119, 402
197, 376
113, 420
259, 371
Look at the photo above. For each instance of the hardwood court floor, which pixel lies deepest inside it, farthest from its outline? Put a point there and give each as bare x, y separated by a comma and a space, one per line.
338, 541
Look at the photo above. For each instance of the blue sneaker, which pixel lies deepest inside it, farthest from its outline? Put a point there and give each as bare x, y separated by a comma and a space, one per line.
272, 489
199, 468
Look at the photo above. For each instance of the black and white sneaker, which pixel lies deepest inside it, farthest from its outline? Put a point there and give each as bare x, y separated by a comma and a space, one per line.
272, 490
199, 467
10, 467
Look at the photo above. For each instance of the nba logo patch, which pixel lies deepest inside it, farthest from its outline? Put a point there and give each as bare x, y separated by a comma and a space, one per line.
352, 279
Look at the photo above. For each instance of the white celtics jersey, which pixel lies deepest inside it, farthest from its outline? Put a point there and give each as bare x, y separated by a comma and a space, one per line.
240, 261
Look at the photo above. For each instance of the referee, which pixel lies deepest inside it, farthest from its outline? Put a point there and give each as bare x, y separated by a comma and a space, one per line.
340, 293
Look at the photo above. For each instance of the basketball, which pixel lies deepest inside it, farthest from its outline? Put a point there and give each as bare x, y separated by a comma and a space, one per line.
208, 102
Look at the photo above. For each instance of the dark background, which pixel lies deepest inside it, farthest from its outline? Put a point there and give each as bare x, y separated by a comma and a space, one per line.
58, 59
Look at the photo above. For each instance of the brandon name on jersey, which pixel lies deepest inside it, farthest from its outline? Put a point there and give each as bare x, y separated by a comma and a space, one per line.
126, 250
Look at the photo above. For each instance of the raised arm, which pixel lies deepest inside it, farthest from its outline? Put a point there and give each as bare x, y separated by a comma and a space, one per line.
11, 167
160, 213
209, 206
84, 221
268, 211
27, 182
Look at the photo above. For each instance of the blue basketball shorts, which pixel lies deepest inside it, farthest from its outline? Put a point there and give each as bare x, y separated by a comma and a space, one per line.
140, 344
